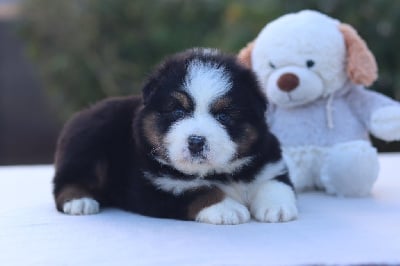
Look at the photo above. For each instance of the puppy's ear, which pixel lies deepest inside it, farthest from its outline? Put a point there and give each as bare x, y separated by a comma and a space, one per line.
148, 90
244, 55
361, 63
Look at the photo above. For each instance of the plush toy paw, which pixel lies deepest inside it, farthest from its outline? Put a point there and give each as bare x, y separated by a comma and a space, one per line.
350, 169
385, 123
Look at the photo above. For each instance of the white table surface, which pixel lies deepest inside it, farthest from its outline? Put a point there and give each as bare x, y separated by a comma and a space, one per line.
329, 230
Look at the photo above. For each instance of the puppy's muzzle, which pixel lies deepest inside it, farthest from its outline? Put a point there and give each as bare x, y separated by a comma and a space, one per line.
196, 145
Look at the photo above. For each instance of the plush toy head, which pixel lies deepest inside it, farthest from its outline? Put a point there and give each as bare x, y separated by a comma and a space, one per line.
303, 56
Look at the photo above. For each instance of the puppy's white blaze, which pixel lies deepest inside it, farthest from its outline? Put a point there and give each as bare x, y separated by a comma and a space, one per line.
82, 206
228, 211
175, 186
244, 192
206, 82
274, 202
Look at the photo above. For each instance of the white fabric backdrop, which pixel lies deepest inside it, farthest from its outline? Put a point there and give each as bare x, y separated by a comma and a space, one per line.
329, 230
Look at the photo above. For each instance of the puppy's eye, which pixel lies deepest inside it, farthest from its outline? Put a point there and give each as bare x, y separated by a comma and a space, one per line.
223, 118
271, 65
310, 63
178, 113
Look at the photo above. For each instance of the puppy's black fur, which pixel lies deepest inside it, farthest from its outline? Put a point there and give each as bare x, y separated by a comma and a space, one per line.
105, 151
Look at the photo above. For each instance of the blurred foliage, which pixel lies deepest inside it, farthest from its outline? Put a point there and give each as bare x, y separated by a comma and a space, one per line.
90, 49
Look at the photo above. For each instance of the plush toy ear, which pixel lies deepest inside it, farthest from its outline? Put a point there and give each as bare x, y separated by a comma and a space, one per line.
244, 55
361, 63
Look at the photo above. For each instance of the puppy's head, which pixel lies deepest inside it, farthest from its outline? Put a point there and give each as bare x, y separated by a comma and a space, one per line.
203, 113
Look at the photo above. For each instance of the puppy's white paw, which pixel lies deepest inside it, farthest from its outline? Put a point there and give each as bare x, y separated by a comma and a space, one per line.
227, 211
274, 213
82, 206
274, 202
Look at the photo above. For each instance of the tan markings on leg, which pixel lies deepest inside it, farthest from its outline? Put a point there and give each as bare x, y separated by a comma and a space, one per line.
70, 192
207, 198
249, 137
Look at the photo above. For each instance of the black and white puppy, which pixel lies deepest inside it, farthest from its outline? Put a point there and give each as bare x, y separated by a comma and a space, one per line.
195, 146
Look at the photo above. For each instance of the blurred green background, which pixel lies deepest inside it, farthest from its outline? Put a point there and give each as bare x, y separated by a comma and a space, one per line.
86, 50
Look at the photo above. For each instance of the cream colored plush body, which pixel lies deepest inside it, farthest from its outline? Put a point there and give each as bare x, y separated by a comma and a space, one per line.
313, 70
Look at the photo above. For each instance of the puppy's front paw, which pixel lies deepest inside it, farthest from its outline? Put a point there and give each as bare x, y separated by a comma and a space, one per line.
227, 211
273, 213
275, 202
82, 206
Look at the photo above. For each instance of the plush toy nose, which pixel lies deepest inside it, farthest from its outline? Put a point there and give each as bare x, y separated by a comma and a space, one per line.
288, 82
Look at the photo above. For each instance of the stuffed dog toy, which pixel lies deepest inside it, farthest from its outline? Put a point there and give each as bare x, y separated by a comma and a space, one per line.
313, 70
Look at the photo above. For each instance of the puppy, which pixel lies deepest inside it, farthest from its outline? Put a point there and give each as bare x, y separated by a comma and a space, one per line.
195, 146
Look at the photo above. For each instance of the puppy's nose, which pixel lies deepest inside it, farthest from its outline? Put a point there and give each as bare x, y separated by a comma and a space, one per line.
196, 144
288, 82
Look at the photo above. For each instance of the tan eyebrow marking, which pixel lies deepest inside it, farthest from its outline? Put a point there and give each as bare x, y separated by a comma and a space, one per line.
221, 104
182, 98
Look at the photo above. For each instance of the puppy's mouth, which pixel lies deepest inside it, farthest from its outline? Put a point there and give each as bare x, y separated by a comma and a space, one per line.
199, 162
200, 158
196, 151
199, 155
196, 157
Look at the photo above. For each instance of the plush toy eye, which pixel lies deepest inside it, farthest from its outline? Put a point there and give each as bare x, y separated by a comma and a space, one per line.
310, 63
272, 65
